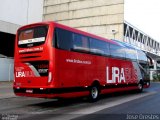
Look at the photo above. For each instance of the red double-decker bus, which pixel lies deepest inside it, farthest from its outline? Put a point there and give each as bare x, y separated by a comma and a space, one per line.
54, 61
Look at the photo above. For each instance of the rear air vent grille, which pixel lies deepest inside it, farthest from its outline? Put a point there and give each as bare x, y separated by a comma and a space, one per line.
31, 52
30, 57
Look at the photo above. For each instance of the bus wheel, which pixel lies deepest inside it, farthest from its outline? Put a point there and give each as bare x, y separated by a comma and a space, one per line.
140, 86
94, 93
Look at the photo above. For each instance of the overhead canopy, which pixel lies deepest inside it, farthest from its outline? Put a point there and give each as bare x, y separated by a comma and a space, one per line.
152, 55
7, 27
7, 38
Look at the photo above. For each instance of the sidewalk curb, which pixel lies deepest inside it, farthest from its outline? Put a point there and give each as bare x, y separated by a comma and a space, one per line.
8, 97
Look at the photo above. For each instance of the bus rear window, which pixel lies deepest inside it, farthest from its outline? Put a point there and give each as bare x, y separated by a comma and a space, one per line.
32, 36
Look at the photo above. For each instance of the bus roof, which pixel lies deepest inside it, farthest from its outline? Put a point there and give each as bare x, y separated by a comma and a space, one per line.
70, 29
127, 45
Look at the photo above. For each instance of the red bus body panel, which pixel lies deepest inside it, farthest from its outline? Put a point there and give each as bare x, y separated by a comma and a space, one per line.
69, 70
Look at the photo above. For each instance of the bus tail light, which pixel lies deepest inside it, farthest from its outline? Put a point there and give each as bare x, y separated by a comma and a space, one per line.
49, 77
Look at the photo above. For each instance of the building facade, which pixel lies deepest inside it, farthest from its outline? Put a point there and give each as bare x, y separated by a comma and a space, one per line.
101, 17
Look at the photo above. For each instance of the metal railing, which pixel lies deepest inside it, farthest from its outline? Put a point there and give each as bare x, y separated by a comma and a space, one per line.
138, 38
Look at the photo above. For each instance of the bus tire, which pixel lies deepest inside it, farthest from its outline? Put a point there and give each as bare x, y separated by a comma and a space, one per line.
94, 93
140, 87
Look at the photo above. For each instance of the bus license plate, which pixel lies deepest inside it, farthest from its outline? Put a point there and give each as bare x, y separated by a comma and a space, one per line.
29, 91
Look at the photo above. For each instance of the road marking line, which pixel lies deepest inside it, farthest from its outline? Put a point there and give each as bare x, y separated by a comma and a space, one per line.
96, 108
90, 109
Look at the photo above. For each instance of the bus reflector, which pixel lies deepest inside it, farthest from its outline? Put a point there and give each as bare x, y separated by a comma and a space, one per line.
49, 77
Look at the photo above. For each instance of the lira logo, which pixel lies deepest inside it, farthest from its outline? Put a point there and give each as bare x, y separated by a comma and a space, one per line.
24, 74
20, 74
117, 75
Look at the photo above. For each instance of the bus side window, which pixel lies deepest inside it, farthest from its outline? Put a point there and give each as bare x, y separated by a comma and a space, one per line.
99, 47
80, 43
141, 56
63, 39
117, 51
131, 54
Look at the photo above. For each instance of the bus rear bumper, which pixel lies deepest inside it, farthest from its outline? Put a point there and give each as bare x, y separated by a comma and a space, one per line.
34, 92
37, 95
48, 93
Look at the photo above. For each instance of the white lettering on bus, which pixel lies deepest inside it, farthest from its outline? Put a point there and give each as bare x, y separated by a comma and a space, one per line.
117, 75
24, 74
20, 74
42, 70
78, 61
31, 49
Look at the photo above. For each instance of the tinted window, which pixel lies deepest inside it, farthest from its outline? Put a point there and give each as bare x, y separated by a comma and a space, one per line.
32, 36
131, 54
141, 55
63, 39
99, 47
80, 43
117, 51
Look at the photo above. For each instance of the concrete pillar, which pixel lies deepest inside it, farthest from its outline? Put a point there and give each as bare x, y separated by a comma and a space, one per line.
155, 65
151, 74
154, 70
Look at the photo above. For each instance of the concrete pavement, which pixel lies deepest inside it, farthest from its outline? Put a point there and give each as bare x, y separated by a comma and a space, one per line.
6, 90
116, 106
